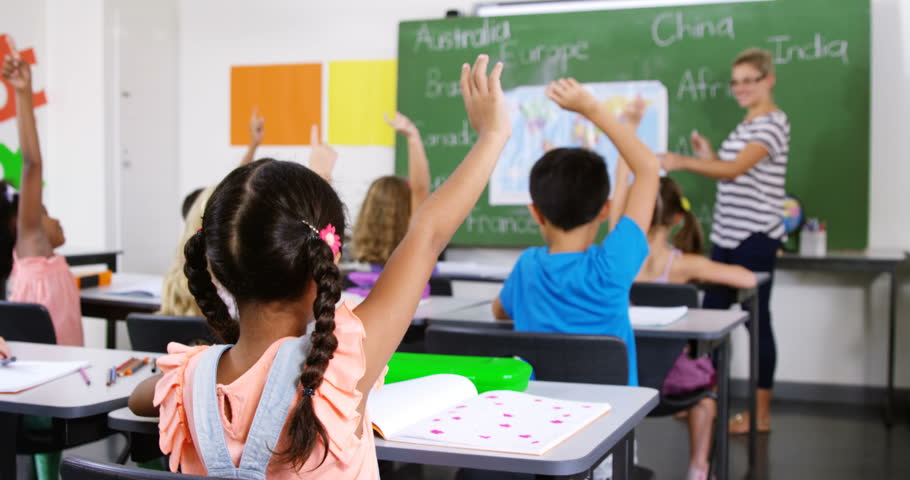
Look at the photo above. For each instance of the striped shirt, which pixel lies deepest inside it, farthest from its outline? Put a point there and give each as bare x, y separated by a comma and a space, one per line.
754, 201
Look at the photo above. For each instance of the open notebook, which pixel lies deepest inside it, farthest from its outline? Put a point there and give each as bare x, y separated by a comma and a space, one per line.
656, 316
22, 375
445, 410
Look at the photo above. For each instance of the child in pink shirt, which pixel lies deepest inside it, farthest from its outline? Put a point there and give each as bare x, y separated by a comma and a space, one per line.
38, 274
288, 398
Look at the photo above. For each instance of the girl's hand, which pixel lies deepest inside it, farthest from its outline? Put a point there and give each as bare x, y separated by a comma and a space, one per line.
701, 146
16, 70
484, 100
634, 110
322, 156
570, 95
4, 349
671, 162
402, 125
257, 127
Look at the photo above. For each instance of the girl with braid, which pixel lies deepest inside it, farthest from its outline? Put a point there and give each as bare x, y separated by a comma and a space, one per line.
286, 396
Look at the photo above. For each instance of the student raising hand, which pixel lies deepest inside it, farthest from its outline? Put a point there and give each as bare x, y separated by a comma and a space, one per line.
15, 70
257, 132
389, 308
632, 114
322, 156
571, 95
418, 166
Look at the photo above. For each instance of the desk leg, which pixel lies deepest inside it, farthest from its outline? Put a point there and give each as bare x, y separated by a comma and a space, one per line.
722, 454
623, 457
892, 319
753, 379
9, 424
111, 333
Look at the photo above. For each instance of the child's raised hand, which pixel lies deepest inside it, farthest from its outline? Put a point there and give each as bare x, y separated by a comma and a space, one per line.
701, 146
570, 95
483, 98
402, 124
257, 127
634, 110
322, 156
16, 70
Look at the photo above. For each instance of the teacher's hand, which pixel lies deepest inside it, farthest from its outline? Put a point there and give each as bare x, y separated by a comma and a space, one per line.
701, 146
671, 161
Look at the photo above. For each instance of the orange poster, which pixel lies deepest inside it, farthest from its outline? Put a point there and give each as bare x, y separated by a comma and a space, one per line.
289, 97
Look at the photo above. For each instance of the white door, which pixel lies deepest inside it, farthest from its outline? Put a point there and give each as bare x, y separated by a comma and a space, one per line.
145, 85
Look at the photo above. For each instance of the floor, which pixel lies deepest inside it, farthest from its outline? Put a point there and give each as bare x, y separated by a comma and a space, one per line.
808, 442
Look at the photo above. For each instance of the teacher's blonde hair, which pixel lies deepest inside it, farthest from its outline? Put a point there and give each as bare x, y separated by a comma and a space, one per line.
759, 58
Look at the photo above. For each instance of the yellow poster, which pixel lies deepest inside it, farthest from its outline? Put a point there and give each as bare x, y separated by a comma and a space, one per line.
359, 93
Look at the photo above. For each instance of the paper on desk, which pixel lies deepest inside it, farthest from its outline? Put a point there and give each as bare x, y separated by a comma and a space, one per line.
147, 288
472, 269
22, 375
656, 316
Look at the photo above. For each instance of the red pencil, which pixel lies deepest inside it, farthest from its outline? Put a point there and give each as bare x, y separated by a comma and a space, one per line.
125, 364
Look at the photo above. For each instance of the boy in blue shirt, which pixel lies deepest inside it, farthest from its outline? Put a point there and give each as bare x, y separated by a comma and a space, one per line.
573, 285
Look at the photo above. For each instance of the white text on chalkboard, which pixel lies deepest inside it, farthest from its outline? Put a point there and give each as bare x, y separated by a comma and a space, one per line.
554, 58
699, 84
463, 138
436, 86
490, 32
520, 224
671, 27
785, 51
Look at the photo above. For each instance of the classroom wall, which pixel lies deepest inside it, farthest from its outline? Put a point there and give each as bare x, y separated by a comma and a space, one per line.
830, 328
68, 41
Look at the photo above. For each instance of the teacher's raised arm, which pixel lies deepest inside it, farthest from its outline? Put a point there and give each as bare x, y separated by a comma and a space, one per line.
751, 166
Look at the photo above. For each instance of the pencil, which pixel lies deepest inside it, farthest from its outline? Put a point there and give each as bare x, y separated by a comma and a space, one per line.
125, 363
84, 376
135, 367
129, 367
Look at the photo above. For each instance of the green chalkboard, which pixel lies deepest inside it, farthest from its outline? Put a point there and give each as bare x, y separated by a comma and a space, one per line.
821, 50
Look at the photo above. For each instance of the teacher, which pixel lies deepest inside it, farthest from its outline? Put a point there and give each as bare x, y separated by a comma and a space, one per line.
751, 169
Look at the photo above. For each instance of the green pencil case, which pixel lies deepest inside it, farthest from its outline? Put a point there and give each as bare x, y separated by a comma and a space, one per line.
486, 373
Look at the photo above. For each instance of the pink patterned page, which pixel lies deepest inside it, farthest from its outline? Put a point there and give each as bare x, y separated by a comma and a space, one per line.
504, 421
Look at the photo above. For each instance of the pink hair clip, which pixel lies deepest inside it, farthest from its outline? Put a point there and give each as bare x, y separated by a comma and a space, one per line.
330, 238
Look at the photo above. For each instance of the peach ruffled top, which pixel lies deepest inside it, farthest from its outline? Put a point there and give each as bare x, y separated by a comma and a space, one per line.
350, 456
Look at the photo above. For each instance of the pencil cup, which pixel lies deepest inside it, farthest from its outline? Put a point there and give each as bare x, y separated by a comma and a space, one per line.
813, 244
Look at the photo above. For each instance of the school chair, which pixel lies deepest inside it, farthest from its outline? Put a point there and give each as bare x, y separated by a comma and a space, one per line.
664, 295
73, 468
151, 333
26, 322
29, 322
555, 357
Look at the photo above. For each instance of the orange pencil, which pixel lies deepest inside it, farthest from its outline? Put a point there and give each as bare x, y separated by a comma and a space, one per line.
136, 366
129, 367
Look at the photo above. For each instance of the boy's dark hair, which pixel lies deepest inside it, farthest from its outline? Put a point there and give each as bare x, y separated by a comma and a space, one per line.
570, 186
188, 202
256, 239
9, 210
